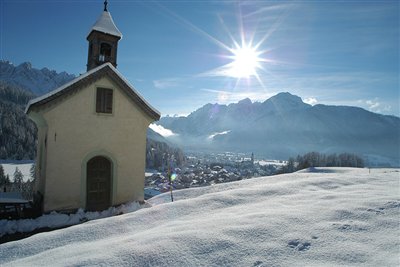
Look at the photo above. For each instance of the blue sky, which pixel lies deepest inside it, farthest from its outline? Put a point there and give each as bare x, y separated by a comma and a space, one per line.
178, 53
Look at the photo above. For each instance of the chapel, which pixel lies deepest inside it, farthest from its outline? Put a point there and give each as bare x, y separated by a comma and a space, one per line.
92, 132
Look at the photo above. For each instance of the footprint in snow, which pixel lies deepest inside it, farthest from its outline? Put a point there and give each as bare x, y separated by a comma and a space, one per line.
258, 264
349, 227
387, 206
299, 244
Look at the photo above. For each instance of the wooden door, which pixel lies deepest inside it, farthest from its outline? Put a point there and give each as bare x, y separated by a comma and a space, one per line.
98, 187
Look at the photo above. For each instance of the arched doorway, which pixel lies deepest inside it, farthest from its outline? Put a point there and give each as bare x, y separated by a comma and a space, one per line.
98, 186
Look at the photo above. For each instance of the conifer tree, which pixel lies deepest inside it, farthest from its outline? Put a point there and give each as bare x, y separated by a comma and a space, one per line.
2, 177
32, 171
18, 179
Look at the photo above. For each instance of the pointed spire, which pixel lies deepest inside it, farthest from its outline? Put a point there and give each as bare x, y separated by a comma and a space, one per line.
105, 5
105, 24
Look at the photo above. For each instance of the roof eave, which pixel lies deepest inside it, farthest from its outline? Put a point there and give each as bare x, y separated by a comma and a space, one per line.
85, 78
103, 32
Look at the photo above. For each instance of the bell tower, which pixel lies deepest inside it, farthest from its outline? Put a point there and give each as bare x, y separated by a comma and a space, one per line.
103, 41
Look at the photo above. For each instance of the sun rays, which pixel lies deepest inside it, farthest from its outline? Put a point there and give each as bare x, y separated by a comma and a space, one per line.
245, 61
242, 50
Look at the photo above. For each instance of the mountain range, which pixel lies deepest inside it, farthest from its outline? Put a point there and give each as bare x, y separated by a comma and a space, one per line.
280, 127
36, 81
285, 126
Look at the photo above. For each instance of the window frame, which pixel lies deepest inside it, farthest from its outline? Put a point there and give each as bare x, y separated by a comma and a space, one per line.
105, 106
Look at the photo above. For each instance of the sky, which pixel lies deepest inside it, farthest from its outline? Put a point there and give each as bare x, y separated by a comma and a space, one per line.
181, 55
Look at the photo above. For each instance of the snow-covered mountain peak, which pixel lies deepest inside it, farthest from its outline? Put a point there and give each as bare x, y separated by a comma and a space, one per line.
31, 79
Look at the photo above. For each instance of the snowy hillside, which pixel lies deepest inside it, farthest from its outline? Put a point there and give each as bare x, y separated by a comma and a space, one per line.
37, 81
326, 217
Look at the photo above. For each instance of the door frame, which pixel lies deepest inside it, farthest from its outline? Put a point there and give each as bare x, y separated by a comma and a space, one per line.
99, 169
113, 182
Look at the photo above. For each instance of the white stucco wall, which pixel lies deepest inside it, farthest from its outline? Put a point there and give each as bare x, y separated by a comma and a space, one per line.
76, 133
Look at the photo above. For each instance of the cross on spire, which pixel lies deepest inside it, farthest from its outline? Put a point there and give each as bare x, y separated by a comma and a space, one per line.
105, 5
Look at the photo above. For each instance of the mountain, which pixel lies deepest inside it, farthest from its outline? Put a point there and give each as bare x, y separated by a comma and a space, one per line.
284, 126
36, 81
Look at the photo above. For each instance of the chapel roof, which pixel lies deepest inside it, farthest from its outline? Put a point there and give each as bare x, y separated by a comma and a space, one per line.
89, 78
105, 24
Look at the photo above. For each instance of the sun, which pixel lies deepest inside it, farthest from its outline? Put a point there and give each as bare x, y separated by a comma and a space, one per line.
246, 61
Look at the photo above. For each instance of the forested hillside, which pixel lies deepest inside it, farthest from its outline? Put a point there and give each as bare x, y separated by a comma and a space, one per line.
159, 154
17, 131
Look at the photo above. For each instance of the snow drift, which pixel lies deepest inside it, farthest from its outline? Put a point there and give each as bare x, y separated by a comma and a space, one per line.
327, 217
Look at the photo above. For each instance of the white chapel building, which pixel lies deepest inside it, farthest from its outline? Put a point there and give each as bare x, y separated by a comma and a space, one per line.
92, 132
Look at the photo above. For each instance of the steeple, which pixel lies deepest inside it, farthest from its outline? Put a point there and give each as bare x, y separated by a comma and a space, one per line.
103, 40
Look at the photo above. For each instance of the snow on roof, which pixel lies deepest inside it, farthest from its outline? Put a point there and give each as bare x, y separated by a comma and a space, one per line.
61, 88
340, 217
131, 92
106, 25
12, 197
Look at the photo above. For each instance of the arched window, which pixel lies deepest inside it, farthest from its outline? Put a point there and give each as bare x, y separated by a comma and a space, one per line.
105, 52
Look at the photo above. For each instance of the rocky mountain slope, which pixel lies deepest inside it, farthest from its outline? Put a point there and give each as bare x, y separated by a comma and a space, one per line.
36, 81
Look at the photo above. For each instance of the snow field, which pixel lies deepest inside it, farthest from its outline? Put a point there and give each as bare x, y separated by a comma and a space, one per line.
327, 217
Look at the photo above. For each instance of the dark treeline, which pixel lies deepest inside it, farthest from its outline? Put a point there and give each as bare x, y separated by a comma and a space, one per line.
315, 159
17, 131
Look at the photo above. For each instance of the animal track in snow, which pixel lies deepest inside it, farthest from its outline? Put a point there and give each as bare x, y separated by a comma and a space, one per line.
258, 264
388, 206
349, 227
299, 244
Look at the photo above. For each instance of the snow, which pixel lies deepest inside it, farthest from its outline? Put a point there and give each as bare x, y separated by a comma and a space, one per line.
64, 86
105, 24
216, 134
161, 130
320, 217
9, 168
11, 197
55, 220
271, 162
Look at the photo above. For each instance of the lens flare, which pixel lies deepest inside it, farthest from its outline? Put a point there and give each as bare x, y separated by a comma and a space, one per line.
173, 176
